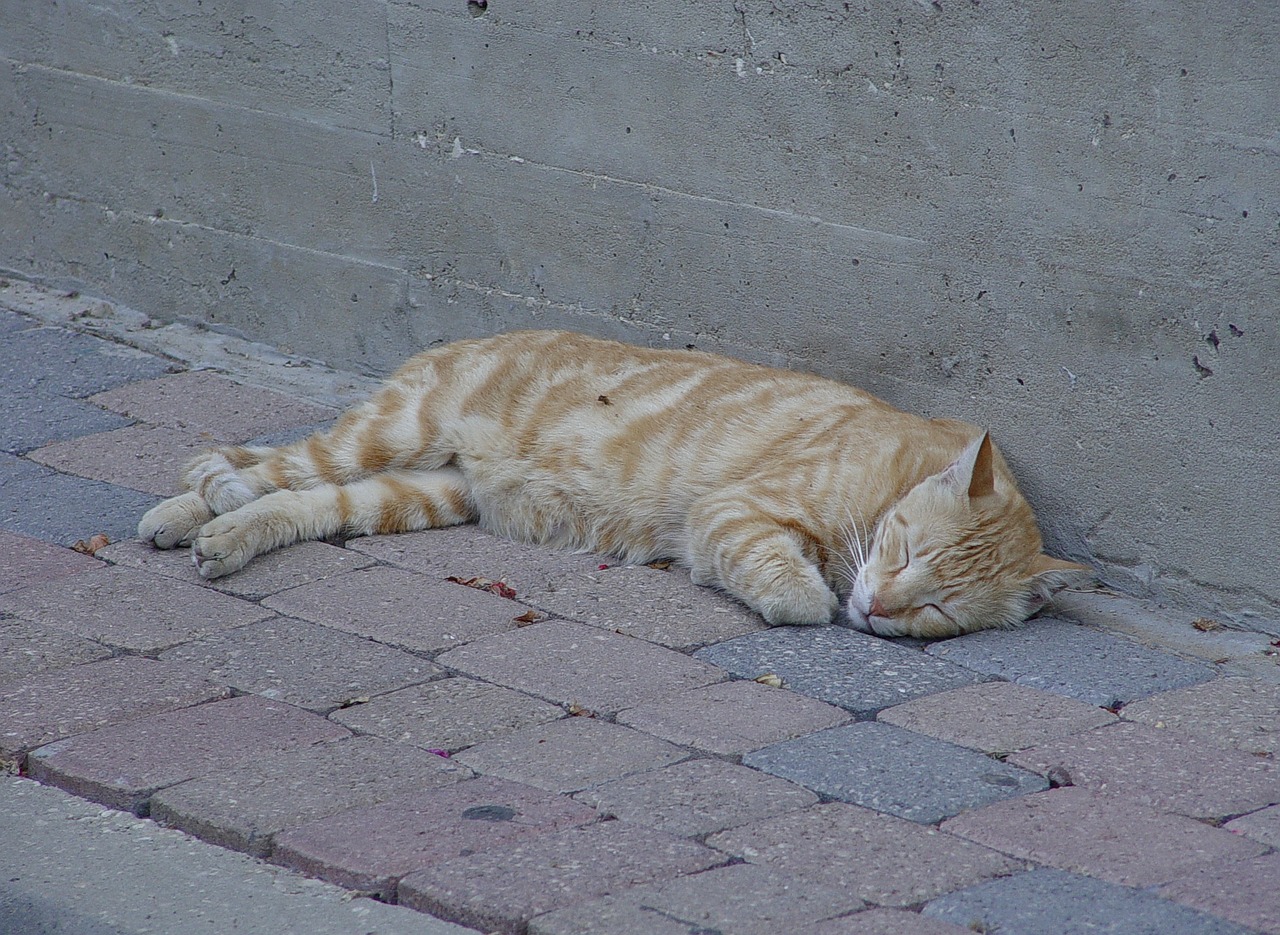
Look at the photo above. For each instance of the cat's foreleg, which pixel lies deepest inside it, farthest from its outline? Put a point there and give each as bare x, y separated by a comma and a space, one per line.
218, 482
394, 501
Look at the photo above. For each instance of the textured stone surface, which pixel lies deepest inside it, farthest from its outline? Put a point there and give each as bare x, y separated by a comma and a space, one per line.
697, 797
40, 503
881, 859
1262, 825
574, 663
28, 648
371, 848
502, 890
858, 672
1053, 902
29, 420
122, 766
742, 899
1082, 831
449, 714
243, 807
149, 458
996, 717
25, 561
1165, 769
1243, 891
401, 608
570, 754
894, 770
732, 717
1080, 662
1244, 713
59, 362
302, 663
883, 922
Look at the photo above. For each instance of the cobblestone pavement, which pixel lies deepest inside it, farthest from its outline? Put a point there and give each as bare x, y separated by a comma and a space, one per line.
597, 755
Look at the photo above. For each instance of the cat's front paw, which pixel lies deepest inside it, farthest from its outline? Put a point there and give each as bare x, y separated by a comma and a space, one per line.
221, 548
175, 521
803, 602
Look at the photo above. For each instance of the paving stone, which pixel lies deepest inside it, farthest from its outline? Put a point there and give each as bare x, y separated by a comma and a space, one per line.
570, 754
1053, 902
876, 857
450, 714
697, 797
31, 419
205, 402
742, 899
1085, 832
1244, 713
502, 890
304, 563
996, 717
244, 807
882, 922
894, 770
25, 561
149, 458
1165, 769
130, 609
1262, 825
302, 663
1244, 892
28, 648
11, 321
58, 362
732, 717
371, 848
122, 766
401, 608
43, 504
294, 433
858, 672
1073, 660
574, 663
78, 699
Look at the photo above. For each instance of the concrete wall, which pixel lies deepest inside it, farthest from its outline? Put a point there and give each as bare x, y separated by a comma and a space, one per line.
1059, 220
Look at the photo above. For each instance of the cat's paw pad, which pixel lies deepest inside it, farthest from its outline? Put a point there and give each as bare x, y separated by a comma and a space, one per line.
175, 521
220, 548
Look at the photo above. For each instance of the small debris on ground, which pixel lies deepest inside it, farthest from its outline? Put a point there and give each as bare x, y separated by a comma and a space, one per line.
1205, 624
100, 541
500, 588
769, 679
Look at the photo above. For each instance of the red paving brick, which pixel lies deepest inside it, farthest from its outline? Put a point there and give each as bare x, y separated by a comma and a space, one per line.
1244, 891
1243, 713
29, 648
25, 561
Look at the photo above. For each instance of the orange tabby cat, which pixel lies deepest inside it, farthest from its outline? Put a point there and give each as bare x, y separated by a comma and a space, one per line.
781, 488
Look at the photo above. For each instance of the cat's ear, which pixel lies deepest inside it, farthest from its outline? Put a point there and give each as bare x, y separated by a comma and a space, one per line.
973, 473
1049, 575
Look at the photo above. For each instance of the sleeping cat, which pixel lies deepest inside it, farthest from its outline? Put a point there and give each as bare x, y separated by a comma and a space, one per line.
784, 489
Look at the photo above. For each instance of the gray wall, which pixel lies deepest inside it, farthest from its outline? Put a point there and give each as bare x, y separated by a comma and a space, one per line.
1057, 219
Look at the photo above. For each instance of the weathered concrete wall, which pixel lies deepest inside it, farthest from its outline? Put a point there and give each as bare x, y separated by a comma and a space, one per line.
1060, 220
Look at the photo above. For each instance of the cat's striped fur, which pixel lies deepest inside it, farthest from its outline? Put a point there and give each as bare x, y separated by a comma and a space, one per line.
781, 488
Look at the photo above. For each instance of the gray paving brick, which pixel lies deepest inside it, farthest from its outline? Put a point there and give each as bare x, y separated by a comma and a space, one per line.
450, 714
570, 754
996, 717
1069, 659
883, 922
206, 402
75, 700
58, 362
244, 807
732, 717
574, 663
43, 504
300, 564
25, 561
501, 891
122, 766
1244, 713
30, 419
149, 458
742, 899
858, 672
1165, 769
1262, 825
876, 857
894, 770
1085, 832
28, 648
1243, 892
302, 663
401, 608
1054, 902
697, 797
130, 609
371, 848
12, 321
294, 433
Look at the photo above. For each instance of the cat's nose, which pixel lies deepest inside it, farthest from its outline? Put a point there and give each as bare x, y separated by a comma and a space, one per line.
877, 609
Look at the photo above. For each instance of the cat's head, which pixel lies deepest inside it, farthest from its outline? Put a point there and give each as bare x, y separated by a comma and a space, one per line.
960, 552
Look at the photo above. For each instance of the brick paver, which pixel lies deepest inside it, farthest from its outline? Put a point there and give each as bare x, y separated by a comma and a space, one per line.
502, 890
894, 770
1243, 891
149, 458
732, 717
25, 561
883, 922
28, 648
1244, 713
996, 717
1262, 825
245, 806
36, 501
743, 899
371, 848
30, 419
122, 766
878, 858
853, 670
1165, 769
574, 663
56, 362
1085, 832
697, 797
